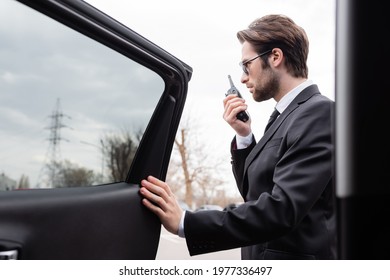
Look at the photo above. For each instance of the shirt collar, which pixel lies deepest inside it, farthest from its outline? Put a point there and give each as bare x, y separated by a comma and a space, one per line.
289, 97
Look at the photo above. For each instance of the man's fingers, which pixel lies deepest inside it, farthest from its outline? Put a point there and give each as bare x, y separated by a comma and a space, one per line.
152, 207
232, 107
158, 185
159, 199
152, 186
151, 192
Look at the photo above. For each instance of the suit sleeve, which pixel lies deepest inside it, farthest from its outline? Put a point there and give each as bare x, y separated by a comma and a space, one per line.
238, 162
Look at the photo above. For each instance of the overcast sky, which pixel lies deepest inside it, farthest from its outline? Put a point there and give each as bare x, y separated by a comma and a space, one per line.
203, 35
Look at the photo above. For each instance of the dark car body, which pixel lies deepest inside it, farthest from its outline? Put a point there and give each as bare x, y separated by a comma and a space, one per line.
104, 220
362, 150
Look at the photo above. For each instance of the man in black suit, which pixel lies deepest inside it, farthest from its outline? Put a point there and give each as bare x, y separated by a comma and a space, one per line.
286, 178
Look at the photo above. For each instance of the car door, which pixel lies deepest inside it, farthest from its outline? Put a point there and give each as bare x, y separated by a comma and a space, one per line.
83, 98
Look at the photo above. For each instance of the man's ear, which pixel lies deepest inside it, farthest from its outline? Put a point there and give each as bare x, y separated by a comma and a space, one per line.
276, 57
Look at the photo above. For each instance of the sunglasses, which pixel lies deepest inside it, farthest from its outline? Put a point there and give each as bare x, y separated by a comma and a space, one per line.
244, 64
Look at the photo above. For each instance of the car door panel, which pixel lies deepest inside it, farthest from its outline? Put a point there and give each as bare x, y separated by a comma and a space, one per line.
94, 222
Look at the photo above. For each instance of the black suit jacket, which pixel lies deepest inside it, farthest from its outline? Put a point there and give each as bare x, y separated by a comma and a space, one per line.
286, 180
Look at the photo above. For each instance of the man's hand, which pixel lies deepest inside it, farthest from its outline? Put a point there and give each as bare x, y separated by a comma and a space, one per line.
232, 106
159, 199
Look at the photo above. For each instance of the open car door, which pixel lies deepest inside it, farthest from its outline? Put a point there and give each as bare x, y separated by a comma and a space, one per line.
89, 108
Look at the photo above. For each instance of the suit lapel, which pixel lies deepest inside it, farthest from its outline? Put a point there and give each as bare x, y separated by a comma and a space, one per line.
301, 98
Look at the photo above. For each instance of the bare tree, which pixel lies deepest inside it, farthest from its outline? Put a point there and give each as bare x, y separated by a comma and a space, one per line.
193, 168
24, 182
188, 175
119, 151
71, 175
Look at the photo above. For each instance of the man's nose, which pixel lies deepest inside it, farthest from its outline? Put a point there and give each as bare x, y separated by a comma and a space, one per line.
244, 78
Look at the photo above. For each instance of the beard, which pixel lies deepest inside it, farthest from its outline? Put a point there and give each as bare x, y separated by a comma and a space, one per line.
267, 86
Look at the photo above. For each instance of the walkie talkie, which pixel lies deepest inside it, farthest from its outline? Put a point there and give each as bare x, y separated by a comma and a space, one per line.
242, 116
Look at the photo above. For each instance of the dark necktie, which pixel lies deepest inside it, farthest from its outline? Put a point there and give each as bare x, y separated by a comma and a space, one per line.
272, 118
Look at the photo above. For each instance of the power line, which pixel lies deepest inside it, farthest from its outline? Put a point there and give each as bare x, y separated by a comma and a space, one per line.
49, 177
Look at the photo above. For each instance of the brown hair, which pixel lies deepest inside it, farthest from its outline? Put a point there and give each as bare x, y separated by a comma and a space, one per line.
279, 31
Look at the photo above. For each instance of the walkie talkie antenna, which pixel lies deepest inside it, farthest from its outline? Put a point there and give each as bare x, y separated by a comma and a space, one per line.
230, 80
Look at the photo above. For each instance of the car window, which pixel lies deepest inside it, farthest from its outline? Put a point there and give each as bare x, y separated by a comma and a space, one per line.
72, 110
